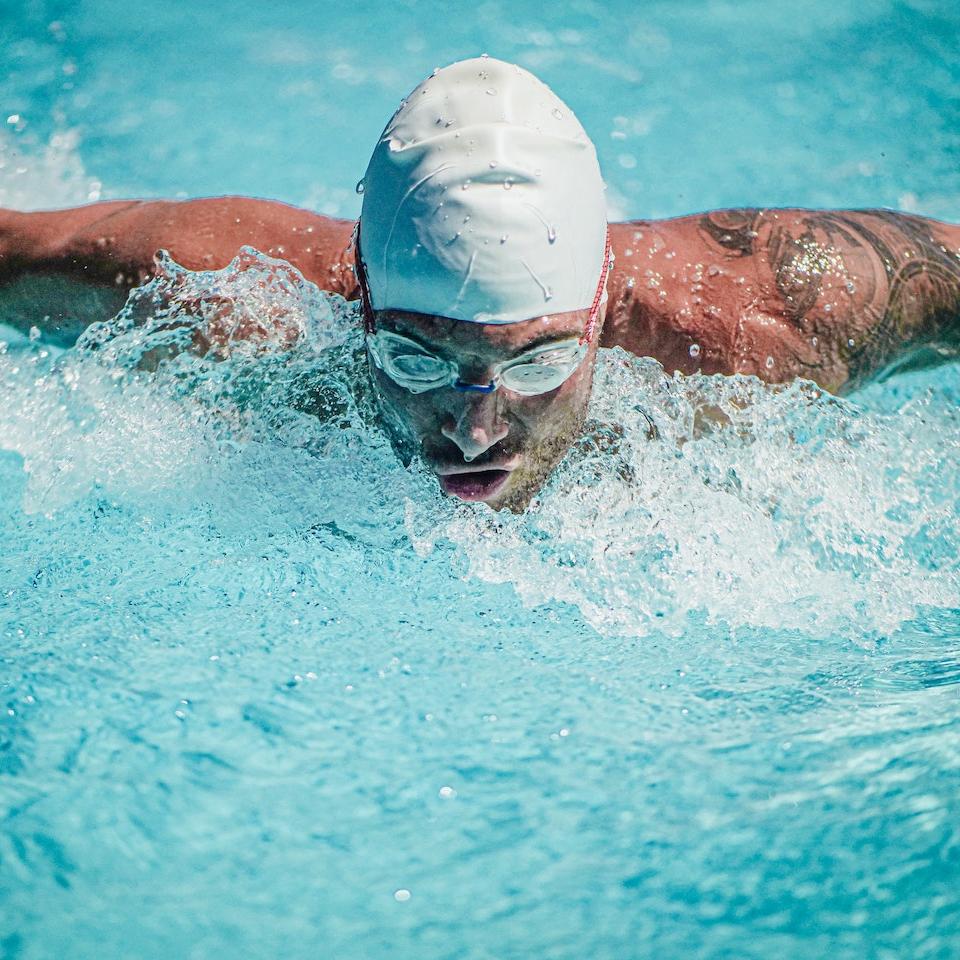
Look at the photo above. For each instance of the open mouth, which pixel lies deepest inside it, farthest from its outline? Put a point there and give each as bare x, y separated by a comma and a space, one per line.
475, 485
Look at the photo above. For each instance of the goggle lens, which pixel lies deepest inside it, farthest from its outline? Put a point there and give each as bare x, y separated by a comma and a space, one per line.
411, 366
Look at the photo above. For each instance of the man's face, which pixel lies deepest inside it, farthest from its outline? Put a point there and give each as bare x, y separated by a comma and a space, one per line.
496, 447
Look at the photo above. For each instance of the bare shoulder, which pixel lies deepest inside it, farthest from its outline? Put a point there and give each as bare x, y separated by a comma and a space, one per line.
105, 240
74, 265
827, 294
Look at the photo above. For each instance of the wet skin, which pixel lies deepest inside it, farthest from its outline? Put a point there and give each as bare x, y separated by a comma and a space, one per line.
835, 296
494, 447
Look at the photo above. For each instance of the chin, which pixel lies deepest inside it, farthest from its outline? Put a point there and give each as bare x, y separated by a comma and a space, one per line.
517, 494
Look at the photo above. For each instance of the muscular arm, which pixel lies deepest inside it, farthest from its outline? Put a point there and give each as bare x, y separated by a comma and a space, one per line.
835, 296
63, 269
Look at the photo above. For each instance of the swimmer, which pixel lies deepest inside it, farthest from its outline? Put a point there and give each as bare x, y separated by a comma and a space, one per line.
488, 278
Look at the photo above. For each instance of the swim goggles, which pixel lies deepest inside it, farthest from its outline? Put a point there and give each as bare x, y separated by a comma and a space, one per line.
410, 365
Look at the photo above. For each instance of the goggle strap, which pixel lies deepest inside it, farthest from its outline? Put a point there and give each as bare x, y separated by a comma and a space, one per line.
369, 322
598, 297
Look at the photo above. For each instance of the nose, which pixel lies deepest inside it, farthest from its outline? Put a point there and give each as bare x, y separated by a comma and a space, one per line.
476, 424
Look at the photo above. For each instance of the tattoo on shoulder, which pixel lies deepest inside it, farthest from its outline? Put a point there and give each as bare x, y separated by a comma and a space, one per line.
881, 278
907, 283
733, 230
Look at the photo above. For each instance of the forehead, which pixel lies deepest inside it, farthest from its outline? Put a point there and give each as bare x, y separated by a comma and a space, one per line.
495, 336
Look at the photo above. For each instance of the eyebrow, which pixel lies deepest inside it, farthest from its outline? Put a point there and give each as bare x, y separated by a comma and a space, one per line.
543, 339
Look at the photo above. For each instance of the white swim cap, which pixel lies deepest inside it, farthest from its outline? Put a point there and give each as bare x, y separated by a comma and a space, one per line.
483, 200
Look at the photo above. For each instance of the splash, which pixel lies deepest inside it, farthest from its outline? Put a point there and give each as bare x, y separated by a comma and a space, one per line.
753, 505
44, 177
687, 498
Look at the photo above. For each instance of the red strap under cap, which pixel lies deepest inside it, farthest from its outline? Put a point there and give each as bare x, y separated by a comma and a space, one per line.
598, 297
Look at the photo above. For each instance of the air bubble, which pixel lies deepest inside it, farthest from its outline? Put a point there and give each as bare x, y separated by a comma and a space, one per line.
507, 184
401, 896
694, 350
769, 363
359, 188
465, 185
556, 113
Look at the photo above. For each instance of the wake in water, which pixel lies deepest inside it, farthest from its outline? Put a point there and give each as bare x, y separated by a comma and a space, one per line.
687, 497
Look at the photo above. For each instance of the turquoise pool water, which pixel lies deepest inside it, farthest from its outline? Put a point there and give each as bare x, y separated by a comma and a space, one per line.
266, 694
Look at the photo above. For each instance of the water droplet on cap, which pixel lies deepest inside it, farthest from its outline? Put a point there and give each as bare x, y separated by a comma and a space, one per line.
694, 350
493, 164
503, 239
551, 234
465, 185
359, 187
557, 113
507, 184
769, 363
491, 92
